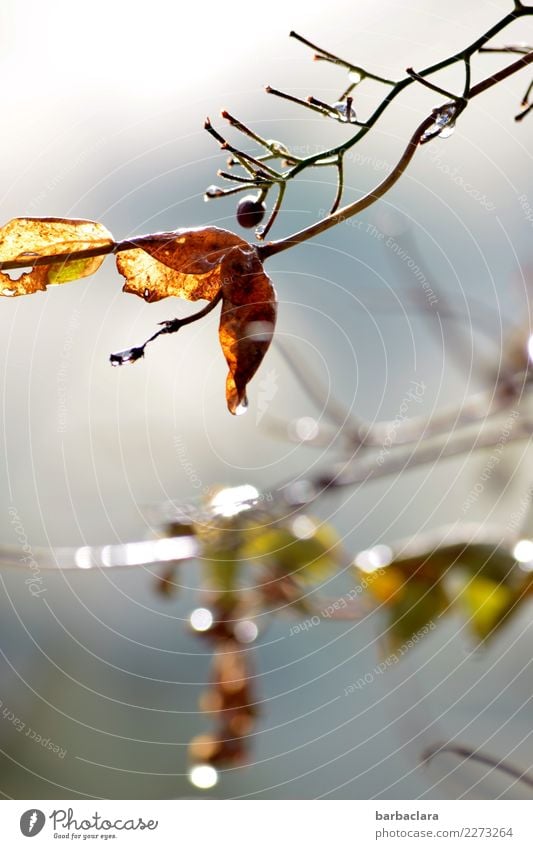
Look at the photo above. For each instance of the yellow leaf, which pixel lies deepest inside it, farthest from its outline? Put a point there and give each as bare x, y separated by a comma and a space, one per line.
308, 560
487, 604
28, 239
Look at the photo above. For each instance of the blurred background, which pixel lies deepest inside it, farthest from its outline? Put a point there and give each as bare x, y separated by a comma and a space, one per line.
103, 119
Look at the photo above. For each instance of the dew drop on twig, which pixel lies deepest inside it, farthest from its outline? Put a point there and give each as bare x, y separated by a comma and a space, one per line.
128, 356
355, 77
346, 115
444, 124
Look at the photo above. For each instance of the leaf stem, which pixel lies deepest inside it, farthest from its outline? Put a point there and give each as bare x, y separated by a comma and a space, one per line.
130, 355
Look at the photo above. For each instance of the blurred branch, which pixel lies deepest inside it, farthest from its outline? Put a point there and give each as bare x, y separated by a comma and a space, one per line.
366, 469
477, 756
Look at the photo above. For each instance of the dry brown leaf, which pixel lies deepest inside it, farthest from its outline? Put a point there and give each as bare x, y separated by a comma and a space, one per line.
247, 321
26, 239
201, 264
182, 263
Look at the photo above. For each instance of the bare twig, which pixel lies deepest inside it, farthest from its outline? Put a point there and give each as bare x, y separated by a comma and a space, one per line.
330, 221
172, 326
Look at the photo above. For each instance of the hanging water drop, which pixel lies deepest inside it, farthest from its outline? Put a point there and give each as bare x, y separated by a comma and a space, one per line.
212, 192
278, 147
128, 356
447, 131
355, 77
241, 408
444, 123
346, 114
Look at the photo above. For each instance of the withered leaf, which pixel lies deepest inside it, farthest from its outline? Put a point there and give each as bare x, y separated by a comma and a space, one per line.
199, 264
27, 239
183, 264
247, 321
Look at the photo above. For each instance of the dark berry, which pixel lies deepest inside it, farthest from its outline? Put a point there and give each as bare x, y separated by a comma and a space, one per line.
250, 211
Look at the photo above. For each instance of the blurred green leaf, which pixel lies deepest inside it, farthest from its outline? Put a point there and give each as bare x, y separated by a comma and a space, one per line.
487, 603
308, 558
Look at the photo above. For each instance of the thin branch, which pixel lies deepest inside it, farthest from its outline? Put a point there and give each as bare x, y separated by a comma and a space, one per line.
469, 754
522, 115
308, 105
412, 73
501, 75
474, 47
468, 76
245, 185
254, 167
130, 554
523, 49
340, 185
130, 355
264, 229
324, 224
525, 98
271, 248
235, 178
335, 60
366, 469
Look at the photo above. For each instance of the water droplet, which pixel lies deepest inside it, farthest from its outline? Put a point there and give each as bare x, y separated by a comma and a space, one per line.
259, 231
8, 293
242, 407
446, 132
212, 192
444, 124
146, 294
445, 116
355, 77
128, 356
278, 147
346, 115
